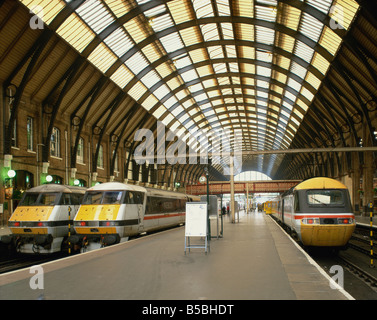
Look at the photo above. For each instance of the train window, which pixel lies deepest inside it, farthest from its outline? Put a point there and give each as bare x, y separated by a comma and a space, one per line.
92, 197
134, 197
296, 203
29, 199
65, 199
112, 197
325, 197
76, 198
48, 199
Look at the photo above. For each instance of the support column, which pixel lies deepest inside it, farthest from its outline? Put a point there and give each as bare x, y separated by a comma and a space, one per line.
232, 204
368, 173
355, 182
247, 197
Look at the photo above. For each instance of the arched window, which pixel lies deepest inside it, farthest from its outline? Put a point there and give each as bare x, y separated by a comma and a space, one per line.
100, 157
55, 142
80, 151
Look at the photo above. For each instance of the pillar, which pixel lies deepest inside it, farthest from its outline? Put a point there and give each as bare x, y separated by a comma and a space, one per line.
368, 173
232, 204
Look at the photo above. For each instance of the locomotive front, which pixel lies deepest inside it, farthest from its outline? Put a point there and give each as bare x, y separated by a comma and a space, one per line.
323, 213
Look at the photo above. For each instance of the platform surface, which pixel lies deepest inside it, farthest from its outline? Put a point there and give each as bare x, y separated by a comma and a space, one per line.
254, 260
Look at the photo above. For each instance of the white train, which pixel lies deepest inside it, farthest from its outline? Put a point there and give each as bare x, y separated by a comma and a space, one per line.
41, 221
318, 211
112, 212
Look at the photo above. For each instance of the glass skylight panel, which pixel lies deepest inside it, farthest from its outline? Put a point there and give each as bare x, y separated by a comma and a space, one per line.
223, 7
307, 94
203, 8
210, 32
321, 5
262, 84
137, 90
220, 67
310, 27
313, 80
262, 94
303, 51
266, 13
196, 87
200, 97
161, 92
172, 42
189, 75
136, 63
122, 76
298, 70
161, 22
102, 57
265, 35
119, 42
167, 119
49, 9
294, 84
155, 11
176, 111
182, 61
227, 30
342, 12
159, 112
291, 96
150, 79
233, 67
263, 71
320, 63
76, 32
264, 56
231, 51
216, 52
95, 14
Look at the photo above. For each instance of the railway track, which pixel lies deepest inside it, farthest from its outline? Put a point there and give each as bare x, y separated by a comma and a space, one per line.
20, 262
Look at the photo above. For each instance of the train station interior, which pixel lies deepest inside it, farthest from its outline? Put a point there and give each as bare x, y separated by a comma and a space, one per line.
190, 96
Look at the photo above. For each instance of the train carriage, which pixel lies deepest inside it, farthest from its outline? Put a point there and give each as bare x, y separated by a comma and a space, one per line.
319, 212
112, 212
40, 222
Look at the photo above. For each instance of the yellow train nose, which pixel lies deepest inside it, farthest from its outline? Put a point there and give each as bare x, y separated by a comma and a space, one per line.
326, 235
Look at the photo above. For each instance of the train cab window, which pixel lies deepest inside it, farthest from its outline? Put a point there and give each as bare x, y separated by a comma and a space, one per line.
48, 199
65, 199
134, 197
92, 197
112, 197
76, 198
325, 197
296, 202
29, 199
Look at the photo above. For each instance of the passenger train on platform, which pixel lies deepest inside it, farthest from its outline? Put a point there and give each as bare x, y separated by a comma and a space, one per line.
318, 211
43, 219
112, 212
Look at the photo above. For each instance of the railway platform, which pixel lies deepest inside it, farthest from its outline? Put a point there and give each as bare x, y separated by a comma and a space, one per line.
255, 260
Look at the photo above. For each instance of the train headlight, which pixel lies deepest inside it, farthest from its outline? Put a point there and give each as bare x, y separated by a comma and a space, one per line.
310, 221
345, 221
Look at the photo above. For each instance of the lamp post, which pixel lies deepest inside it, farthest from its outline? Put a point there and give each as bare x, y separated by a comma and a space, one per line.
206, 170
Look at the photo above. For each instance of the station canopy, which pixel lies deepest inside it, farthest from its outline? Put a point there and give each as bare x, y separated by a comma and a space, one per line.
248, 68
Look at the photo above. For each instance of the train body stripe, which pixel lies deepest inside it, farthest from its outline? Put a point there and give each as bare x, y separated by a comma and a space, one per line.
163, 215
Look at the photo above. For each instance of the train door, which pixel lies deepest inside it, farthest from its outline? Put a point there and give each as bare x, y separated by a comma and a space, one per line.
139, 200
282, 210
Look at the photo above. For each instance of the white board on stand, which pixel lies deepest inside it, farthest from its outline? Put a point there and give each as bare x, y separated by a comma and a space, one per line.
196, 219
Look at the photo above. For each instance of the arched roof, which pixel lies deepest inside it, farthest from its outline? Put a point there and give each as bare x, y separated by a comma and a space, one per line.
272, 74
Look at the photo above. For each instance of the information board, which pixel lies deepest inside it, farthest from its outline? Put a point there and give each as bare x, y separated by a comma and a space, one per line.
196, 219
